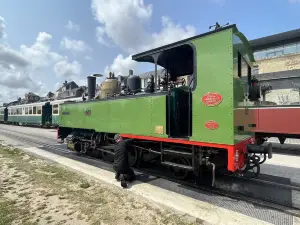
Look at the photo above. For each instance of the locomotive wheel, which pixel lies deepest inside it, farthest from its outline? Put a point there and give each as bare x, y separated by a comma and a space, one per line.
133, 157
77, 148
178, 173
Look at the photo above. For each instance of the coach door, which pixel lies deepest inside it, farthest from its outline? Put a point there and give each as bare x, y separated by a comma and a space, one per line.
47, 114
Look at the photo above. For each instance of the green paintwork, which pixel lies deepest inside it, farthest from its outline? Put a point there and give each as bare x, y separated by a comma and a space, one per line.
130, 115
25, 119
55, 120
141, 114
214, 74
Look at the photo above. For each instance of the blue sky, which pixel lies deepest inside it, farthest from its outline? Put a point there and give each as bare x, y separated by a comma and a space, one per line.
124, 27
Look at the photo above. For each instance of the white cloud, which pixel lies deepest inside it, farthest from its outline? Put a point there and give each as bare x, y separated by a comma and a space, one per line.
171, 33
125, 26
122, 23
40, 53
57, 85
41, 56
2, 28
68, 70
8, 94
18, 66
16, 78
74, 45
100, 35
81, 82
72, 26
10, 58
16, 69
121, 65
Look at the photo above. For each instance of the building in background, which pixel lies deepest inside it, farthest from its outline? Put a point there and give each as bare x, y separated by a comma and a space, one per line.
278, 60
69, 90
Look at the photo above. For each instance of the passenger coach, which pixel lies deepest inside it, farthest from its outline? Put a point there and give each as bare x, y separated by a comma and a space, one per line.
30, 114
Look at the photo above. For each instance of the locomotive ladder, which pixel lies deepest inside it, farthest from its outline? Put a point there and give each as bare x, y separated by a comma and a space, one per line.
178, 153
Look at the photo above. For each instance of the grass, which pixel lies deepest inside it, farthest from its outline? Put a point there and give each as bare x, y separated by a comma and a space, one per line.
77, 197
85, 185
10, 212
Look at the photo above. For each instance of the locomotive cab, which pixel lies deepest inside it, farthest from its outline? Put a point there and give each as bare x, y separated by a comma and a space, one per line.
177, 82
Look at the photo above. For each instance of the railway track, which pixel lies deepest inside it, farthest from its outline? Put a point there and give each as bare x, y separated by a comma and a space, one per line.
222, 185
287, 148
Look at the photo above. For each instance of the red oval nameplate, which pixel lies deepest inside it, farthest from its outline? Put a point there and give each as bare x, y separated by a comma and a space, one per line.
212, 99
211, 125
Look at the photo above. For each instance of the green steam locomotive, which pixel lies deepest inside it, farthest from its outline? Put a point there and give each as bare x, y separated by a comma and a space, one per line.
192, 118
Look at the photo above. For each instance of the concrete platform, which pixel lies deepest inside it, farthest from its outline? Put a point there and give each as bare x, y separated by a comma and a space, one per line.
287, 141
286, 166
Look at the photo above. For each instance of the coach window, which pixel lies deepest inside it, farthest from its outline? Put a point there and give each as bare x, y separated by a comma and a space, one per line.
34, 110
39, 110
30, 110
26, 110
55, 109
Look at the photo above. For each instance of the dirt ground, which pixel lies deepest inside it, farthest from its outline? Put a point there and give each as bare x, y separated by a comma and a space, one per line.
35, 191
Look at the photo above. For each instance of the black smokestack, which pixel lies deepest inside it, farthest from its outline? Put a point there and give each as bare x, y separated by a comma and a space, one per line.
91, 80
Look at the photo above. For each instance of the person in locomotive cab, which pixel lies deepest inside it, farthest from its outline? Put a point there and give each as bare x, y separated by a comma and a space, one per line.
121, 163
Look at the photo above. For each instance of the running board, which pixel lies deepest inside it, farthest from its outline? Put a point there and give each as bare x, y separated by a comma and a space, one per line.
175, 152
178, 165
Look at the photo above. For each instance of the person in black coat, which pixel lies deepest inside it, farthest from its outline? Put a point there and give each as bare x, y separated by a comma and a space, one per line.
121, 164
